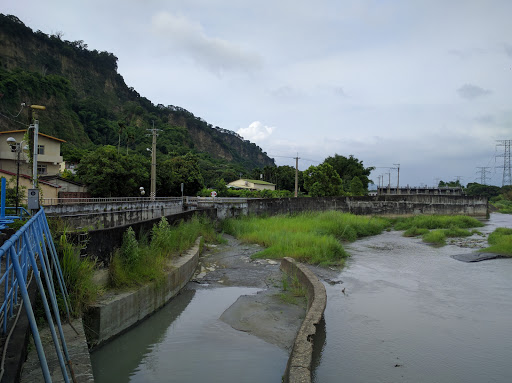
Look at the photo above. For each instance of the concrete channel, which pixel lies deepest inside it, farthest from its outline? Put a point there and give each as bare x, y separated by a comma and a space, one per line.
117, 312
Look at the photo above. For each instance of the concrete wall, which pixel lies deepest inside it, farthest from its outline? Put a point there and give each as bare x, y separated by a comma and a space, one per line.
99, 244
378, 205
116, 313
299, 364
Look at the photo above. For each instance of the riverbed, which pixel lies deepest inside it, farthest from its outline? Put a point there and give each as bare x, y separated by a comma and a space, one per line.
408, 312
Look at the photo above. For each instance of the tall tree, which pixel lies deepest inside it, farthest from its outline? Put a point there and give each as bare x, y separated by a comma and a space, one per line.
322, 180
108, 173
177, 170
348, 168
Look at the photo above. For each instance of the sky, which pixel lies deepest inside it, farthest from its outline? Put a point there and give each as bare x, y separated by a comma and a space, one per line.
425, 84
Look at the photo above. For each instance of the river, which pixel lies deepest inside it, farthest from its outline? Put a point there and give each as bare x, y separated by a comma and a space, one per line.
408, 313
411, 313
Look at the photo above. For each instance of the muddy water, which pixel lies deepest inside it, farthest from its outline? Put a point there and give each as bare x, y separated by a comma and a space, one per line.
186, 342
411, 313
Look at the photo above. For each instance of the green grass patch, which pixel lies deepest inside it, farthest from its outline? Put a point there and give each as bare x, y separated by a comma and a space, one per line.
415, 231
308, 237
436, 237
500, 241
432, 222
146, 259
504, 206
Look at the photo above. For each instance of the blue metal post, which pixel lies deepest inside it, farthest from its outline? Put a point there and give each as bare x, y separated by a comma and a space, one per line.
30, 314
47, 308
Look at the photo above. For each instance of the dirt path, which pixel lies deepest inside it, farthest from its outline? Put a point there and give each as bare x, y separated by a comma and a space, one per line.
273, 314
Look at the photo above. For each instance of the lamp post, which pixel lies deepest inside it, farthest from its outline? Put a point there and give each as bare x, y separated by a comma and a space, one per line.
36, 136
11, 141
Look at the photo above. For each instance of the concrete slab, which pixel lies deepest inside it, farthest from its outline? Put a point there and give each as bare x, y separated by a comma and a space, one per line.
78, 352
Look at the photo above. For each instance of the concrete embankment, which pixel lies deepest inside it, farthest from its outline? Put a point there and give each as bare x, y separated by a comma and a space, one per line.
118, 311
299, 364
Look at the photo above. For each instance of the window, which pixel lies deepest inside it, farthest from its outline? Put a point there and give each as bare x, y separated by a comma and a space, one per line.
40, 149
41, 169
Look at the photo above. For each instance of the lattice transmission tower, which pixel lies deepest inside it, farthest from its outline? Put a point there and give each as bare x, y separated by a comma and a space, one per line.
483, 174
507, 179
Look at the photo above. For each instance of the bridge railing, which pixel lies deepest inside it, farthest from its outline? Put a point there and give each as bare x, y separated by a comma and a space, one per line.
21, 256
67, 201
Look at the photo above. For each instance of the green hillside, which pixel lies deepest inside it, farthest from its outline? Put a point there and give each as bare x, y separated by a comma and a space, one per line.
89, 105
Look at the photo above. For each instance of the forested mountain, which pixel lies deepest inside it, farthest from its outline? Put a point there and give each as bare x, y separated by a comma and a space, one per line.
88, 104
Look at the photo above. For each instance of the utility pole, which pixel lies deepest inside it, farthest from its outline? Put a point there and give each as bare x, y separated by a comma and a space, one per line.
389, 182
507, 179
398, 178
154, 133
483, 174
297, 175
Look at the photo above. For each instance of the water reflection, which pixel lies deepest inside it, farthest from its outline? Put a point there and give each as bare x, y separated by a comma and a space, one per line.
190, 344
132, 346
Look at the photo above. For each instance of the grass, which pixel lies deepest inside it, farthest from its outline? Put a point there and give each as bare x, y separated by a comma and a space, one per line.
500, 241
78, 275
146, 259
293, 291
436, 228
308, 237
432, 222
414, 232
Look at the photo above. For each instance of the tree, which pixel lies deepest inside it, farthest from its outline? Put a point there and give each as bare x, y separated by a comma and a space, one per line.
489, 191
175, 171
348, 168
356, 187
110, 174
450, 184
322, 180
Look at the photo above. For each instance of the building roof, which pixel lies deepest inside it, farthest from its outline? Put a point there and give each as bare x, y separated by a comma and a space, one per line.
29, 178
40, 134
257, 182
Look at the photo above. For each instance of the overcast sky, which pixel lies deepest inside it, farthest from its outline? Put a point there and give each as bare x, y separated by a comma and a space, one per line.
424, 84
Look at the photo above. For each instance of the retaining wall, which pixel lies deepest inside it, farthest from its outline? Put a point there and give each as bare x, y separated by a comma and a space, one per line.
299, 364
117, 312
100, 244
379, 205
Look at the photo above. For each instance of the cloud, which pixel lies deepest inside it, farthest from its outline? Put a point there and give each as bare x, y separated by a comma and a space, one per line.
508, 49
215, 54
471, 92
256, 132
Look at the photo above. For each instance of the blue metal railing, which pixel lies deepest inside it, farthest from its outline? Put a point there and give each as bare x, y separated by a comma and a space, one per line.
18, 256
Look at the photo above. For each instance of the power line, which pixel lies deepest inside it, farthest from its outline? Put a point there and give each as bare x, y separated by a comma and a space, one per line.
17, 122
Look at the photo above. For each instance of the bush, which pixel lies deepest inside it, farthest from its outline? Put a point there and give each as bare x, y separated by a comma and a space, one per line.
139, 262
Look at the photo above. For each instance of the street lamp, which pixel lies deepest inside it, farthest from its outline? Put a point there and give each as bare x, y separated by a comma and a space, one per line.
11, 141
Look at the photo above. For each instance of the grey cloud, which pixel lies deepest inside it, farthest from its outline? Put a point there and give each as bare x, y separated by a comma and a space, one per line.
471, 92
485, 119
508, 49
215, 54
